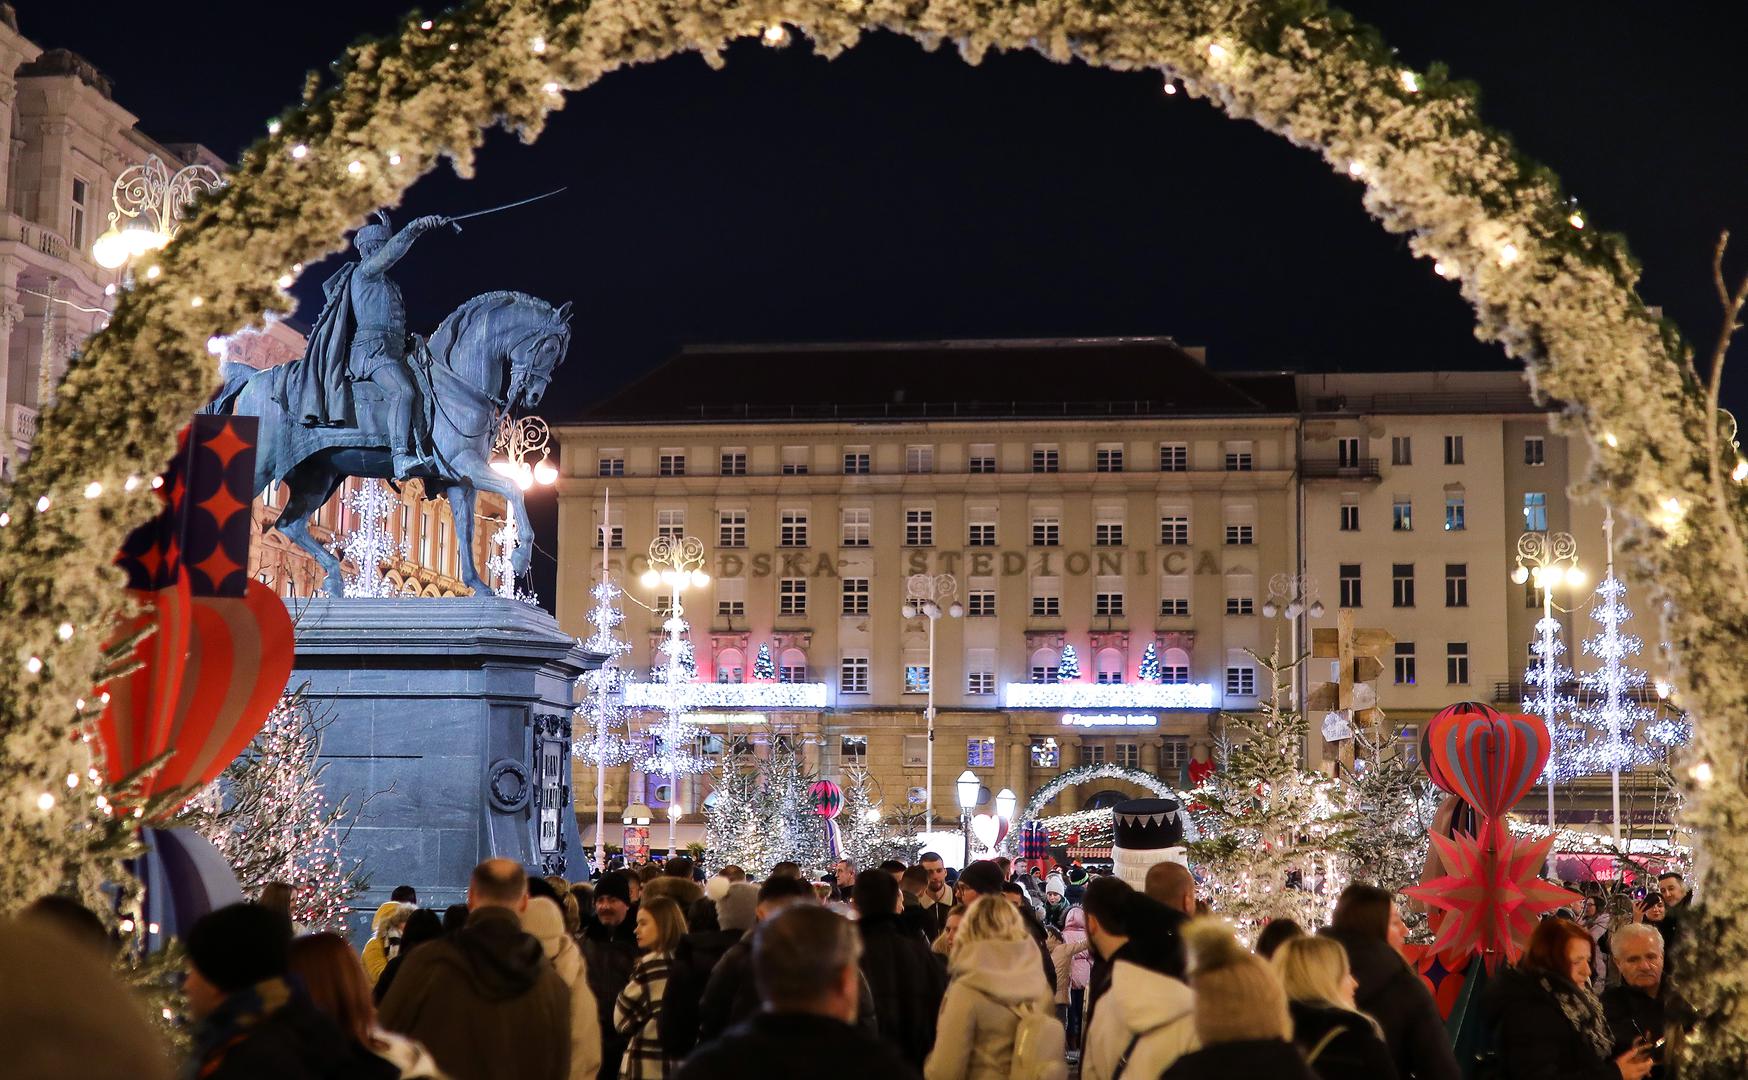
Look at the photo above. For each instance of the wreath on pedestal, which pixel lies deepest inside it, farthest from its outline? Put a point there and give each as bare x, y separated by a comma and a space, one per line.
1554, 291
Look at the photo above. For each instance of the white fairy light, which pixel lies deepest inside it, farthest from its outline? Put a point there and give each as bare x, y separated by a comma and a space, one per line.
131, 483
1356, 168
109, 289
195, 301
1740, 472
1217, 52
1170, 87
1702, 774
273, 127
1410, 82
1576, 220
426, 25
45, 802
394, 159
1609, 438
64, 631
299, 151
153, 271
551, 88
72, 780
284, 281
776, 34
355, 167
1444, 269
93, 489
5, 519
1508, 254
537, 46
42, 504
157, 482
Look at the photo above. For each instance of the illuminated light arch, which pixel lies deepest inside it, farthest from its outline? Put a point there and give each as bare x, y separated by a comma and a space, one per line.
1554, 291
1056, 785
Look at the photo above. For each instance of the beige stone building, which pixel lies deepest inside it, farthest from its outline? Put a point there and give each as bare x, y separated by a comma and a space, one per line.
1102, 525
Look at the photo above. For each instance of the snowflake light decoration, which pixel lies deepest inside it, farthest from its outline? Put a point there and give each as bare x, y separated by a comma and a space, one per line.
371, 544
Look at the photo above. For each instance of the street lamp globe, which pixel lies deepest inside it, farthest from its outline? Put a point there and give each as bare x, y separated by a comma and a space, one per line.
110, 250
700, 579
637, 814
1520, 575
1269, 610
967, 788
956, 610
1005, 802
909, 611
1317, 609
651, 579
1574, 576
545, 474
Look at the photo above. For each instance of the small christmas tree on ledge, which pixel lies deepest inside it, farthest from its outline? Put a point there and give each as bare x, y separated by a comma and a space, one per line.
763, 669
1150, 671
1069, 669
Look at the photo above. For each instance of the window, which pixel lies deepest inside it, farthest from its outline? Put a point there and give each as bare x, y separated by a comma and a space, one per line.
1238, 456
76, 226
1045, 459
853, 749
981, 459
795, 461
1046, 754
1401, 584
980, 603
734, 462
1453, 449
406, 534
1108, 458
1535, 450
1174, 457
1401, 450
1532, 598
855, 596
1175, 754
853, 678
1108, 667
1174, 596
664, 604
671, 523
1093, 753
1241, 680
792, 668
981, 531
613, 532
1241, 605
1174, 529
857, 461
1405, 663
1108, 603
792, 596
671, 463
1044, 667
1240, 532
980, 671
1128, 755
1456, 662
1046, 597
443, 547
730, 667
980, 753
1350, 513
731, 528
424, 538
1108, 530
1347, 452
858, 527
1535, 511
731, 598
919, 459
1174, 667
792, 528
610, 463
919, 527
1402, 514
916, 678
1456, 584
1454, 515
1046, 529
1349, 578
916, 750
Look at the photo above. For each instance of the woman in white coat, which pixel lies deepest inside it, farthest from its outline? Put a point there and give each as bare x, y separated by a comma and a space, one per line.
995, 979
544, 921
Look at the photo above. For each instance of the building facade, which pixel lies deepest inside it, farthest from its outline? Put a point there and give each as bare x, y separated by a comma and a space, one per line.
1103, 527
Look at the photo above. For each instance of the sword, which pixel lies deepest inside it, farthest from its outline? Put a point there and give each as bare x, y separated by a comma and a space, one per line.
453, 221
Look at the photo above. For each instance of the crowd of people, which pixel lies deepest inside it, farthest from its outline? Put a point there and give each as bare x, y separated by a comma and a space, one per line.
895, 971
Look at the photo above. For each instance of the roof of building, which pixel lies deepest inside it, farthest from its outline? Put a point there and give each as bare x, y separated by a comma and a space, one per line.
1077, 378
66, 62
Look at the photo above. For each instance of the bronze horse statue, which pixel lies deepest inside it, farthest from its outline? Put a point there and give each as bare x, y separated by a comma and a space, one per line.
494, 354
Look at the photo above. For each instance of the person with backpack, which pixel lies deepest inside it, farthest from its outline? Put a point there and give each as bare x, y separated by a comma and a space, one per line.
1339, 1042
998, 1019
1146, 1018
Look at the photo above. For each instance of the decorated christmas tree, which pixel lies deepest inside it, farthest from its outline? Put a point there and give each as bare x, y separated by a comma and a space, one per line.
735, 817
1547, 677
1274, 832
1393, 805
1150, 671
1068, 670
599, 731
761, 812
763, 669
872, 831
1613, 713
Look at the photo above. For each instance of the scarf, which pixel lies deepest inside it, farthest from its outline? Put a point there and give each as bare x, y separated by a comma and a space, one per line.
231, 1023
1583, 1011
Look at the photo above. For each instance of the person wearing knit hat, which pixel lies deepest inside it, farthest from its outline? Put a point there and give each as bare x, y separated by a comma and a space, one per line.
385, 936
609, 940
545, 921
1055, 900
1241, 1016
249, 1020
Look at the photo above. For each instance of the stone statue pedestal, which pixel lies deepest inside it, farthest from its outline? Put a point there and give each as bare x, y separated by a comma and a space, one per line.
450, 728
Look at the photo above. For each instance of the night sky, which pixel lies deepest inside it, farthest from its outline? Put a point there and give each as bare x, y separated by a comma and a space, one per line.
895, 194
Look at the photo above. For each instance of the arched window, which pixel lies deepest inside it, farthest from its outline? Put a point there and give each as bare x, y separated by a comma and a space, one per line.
1044, 663
730, 666
1174, 667
792, 668
1109, 666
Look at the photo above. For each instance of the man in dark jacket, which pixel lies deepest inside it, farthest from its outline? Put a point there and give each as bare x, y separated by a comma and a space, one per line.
804, 960
249, 1021
1141, 930
485, 1001
937, 897
911, 883
696, 958
1643, 1009
610, 949
903, 975
1389, 992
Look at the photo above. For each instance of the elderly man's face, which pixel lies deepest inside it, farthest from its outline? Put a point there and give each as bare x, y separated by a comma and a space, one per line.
1640, 959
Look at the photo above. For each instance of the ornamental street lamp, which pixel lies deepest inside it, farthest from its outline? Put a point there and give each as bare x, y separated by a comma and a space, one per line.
967, 788
151, 198
1549, 559
678, 563
923, 595
517, 441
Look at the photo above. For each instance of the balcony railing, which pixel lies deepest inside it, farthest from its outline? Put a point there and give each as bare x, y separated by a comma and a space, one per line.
32, 235
1335, 469
1514, 691
22, 424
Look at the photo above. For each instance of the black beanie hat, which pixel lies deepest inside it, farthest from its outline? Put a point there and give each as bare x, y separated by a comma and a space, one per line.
614, 885
240, 945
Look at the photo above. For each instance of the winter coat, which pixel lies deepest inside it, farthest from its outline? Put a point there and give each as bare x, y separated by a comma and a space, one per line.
1252, 1059
1074, 932
1140, 1001
1064, 955
272, 1030
485, 1001
936, 911
990, 980
796, 1045
1633, 1014
375, 954
1393, 995
611, 953
682, 891
1545, 1028
906, 983
915, 918
1348, 1047
694, 960
413, 1060
545, 921
637, 1016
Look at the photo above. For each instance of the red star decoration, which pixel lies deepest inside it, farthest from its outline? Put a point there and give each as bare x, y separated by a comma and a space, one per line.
218, 566
1492, 896
221, 504
226, 445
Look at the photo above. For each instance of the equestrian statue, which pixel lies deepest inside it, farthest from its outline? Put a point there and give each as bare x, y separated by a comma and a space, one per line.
369, 399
